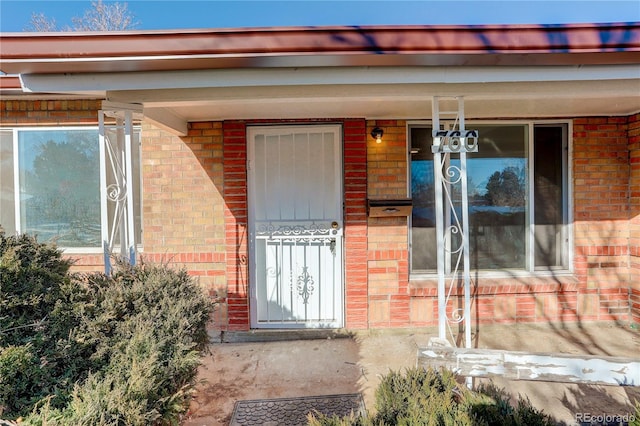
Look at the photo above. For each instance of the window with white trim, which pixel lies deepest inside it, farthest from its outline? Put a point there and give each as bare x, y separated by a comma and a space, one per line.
50, 185
518, 198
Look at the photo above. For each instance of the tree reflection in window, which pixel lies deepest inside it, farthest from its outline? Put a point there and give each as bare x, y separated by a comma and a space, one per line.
497, 194
506, 188
60, 186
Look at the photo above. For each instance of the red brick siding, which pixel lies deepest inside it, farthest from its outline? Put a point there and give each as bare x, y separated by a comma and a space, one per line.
355, 223
182, 201
388, 255
602, 212
235, 218
49, 112
633, 134
634, 300
507, 300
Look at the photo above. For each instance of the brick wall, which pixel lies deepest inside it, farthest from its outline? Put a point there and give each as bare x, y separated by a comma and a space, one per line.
235, 218
634, 213
387, 250
601, 173
355, 223
49, 112
504, 300
183, 223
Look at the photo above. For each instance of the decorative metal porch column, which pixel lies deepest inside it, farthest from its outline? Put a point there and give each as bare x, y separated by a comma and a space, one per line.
451, 139
116, 177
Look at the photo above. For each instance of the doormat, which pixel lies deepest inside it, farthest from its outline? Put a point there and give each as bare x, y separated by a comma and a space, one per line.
294, 411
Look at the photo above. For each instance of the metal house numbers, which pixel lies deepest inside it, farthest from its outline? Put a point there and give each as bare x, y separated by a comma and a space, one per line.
455, 141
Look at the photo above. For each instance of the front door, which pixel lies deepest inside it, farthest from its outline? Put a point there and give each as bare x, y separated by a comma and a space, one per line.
295, 226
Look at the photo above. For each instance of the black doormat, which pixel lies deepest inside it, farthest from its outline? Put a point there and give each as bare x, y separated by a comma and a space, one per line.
294, 411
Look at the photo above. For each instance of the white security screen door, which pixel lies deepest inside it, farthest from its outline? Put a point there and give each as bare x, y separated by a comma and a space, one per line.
295, 226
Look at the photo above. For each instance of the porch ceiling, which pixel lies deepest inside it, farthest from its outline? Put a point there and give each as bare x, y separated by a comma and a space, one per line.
398, 99
408, 101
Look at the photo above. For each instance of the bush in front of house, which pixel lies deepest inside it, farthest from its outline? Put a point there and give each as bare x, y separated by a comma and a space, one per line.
424, 397
420, 396
636, 415
40, 305
500, 409
96, 349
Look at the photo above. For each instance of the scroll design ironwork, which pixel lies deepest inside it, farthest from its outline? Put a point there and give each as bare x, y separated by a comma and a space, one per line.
452, 216
117, 142
116, 191
274, 229
305, 285
449, 176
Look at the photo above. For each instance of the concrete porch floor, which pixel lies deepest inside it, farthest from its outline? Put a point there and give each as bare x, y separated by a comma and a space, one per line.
258, 365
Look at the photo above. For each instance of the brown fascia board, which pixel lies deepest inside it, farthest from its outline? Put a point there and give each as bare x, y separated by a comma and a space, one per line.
10, 87
571, 44
10, 82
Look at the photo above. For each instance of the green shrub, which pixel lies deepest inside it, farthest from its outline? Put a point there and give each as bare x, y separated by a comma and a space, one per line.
17, 365
636, 415
426, 397
404, 398
39, 311
95, 349
148, 325
319, 419
500, 410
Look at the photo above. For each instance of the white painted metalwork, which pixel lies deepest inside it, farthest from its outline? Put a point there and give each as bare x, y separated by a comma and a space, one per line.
117, 180
452, 216
296, 269
549, 367
295, 225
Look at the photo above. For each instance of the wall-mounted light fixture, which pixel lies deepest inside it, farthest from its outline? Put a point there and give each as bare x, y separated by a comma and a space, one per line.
377, 133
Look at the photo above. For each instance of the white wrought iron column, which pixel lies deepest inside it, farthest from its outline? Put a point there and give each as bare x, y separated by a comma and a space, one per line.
450, 137
116, 132
129, 247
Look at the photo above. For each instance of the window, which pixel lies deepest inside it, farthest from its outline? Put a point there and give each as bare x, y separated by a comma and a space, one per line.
517, 192
50, 182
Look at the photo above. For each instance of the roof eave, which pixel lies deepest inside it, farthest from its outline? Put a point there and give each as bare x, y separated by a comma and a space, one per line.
586, 44
201, 62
